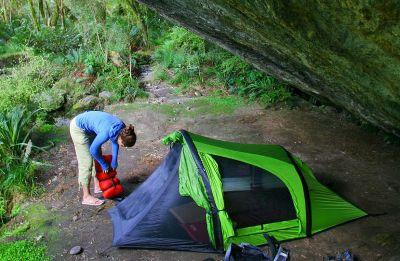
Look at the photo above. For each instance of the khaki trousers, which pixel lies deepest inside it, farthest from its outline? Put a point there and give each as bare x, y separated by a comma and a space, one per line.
82, 142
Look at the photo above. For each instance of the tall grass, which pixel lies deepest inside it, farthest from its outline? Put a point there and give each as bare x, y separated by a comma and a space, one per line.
16, 170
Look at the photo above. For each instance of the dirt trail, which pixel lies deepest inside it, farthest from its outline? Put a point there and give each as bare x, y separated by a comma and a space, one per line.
356, 164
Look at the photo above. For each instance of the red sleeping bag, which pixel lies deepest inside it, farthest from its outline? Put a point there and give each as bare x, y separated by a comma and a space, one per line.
108, 182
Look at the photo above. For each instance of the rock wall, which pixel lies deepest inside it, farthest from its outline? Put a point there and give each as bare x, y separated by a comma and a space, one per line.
345, 51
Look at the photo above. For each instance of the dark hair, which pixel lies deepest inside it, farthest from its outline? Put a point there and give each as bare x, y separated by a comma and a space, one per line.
128, 136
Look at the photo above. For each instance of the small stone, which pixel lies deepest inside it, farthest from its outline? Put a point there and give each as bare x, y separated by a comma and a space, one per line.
57, 205
106, 95
76, 250
38, 238
188, 108
61, 122
198, 94
75, 218
74, 162
116, 59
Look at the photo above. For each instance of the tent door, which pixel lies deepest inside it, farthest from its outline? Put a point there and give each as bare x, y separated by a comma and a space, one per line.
253, 196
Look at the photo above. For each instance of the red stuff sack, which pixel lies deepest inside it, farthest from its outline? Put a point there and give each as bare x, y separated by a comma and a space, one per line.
108, 182
97, 166
101, 176
114, 191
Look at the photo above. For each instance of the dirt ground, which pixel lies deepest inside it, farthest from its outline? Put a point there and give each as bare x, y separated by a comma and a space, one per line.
355, 163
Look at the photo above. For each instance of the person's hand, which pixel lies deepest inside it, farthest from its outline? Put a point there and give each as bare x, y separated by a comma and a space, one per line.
106, 170
114, 165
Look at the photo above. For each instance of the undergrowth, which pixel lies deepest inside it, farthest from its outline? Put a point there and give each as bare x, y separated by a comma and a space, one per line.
23, 82
189, 61
16, 168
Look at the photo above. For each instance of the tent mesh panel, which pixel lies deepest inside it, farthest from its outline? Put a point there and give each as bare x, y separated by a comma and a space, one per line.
252, 195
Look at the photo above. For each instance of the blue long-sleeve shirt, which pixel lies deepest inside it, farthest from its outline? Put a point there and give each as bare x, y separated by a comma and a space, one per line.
105, 127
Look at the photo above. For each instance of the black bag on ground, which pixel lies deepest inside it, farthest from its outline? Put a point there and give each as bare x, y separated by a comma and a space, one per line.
246, 252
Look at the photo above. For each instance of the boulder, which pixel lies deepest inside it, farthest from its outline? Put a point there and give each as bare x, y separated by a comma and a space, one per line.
51, 99
106, 97
67, 84
116, 59
347, 52
60, 121
87, 103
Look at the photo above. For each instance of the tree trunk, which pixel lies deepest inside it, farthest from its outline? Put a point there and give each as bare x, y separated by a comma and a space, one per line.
42, 13
48, 13
6, 7
34, 16
10, 12
62, 14
4, 12
56, 13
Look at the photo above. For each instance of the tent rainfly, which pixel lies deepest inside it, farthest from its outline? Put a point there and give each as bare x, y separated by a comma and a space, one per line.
209, 193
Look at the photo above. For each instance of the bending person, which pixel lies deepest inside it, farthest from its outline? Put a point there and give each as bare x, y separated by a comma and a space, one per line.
89, 131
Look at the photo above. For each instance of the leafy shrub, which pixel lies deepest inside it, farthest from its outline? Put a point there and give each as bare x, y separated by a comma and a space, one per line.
48, 39
15, 130
7, 48
5, 31
75, 56
26, 80
118, 81
193, 61
184, 54
118, 35
242, 79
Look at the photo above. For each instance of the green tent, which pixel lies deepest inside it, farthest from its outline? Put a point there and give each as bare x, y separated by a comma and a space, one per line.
209, 193
249, 190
